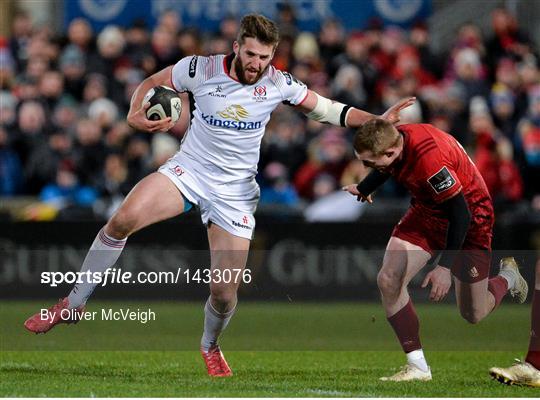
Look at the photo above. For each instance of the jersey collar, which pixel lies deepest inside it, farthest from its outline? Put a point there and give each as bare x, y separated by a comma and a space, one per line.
227, 64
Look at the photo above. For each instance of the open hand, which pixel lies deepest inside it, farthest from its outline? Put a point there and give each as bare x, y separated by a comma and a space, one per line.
441, 280
352, 189
392, 114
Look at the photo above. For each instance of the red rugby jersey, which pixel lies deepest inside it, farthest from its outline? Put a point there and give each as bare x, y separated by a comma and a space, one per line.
434, 167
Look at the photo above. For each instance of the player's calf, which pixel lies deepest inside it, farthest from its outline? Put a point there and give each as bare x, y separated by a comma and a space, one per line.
390, 285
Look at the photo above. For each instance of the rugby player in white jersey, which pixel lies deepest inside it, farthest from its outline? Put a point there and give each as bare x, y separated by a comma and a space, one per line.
232, 98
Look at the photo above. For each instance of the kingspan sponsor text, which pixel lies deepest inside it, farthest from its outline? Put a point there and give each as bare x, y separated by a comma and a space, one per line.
238, 125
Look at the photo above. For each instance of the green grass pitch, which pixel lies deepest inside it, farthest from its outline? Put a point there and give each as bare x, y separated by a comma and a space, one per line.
275, 349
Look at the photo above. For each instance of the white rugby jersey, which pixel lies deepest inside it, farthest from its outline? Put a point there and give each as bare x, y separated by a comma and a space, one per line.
228, 118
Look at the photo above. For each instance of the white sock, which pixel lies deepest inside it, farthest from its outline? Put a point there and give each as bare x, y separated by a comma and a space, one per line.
103, 253
416, 358
214, 324
510, 277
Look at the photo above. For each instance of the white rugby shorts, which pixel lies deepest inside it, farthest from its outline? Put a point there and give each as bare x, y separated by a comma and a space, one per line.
229, 205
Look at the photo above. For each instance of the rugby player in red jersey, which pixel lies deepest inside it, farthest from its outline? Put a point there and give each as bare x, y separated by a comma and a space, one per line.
451, 212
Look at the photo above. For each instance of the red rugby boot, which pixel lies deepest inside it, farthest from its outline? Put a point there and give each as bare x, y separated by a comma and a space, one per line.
215, 362
60, 313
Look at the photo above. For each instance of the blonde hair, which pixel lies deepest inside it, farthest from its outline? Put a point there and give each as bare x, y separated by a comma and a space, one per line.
377, 135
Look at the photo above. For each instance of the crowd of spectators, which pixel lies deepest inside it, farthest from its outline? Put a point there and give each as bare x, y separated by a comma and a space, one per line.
63, 102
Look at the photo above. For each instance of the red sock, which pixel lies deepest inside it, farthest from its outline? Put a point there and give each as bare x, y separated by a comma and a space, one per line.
498, 286
533, 356
407, 327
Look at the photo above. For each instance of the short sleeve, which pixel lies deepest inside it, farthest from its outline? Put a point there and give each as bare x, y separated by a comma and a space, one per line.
443, 184
293, 91
186, 73
438, 179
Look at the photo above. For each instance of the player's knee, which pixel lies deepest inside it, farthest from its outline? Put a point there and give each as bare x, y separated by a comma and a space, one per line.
122, 224
471, 316
388, 283
223, 296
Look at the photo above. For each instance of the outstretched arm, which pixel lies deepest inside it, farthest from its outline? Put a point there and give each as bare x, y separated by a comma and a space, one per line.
368, 185
136, 117
332, 112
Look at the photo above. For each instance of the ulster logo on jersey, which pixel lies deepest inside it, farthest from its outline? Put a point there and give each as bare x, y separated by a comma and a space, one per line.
259, 93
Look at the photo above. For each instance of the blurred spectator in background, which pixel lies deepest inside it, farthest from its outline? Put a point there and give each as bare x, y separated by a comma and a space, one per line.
73, 68
25, 88
89, 151
348, 86
7, 67
8, 103
110, 61
170, 21
286, 20
138, 157
320, 174
21, 31
65, 114
11, 176
163, 147
95, 87
529, 143
429, 61
189, 42
504, 111
138, 46
112, 185
66, 191
494, 156
331, 39
45, 158
63, 102
164, 48
228, 28
284, 141
31, 130
356, 54
507, 39
51, 89
80, 34
103, 113
276, 187
468, 68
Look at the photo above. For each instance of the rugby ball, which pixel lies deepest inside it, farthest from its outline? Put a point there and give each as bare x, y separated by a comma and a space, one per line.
164, 102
